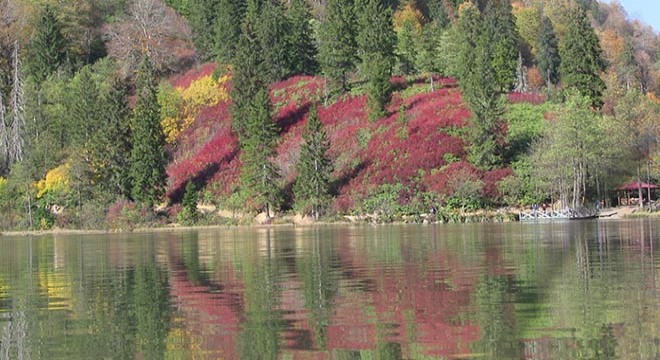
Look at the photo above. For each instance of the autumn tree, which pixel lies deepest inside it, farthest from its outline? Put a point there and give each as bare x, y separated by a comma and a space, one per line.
376, 40
408, 25
303, 49
259, 174
151, 29
581, 58
312, 187
337, 44
148, 156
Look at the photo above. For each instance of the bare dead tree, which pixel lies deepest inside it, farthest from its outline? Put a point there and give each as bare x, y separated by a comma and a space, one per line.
154, 29
4, 135
17, 109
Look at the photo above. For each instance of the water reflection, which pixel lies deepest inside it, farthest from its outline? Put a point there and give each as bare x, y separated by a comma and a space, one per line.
567, 290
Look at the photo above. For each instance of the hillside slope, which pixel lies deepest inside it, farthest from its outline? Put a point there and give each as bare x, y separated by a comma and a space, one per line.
415, 153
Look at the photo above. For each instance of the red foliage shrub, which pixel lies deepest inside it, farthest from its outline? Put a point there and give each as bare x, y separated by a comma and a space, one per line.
183, 81
491, 181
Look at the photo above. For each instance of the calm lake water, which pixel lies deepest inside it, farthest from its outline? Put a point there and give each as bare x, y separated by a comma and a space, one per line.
565, 290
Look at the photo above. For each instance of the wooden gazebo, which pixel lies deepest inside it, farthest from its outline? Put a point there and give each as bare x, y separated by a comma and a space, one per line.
628, 194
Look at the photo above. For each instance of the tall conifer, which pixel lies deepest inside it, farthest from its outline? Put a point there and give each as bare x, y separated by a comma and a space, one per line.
274, 33
259, 174
547, 53
203, 22
111, 142
249, 74
303, 50
337, 44
376, 40
148, 156
581, 58
227, 28
312, 188
47, 49
504, 40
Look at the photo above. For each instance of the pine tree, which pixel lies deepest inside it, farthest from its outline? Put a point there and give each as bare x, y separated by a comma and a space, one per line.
47, 49
337, 44
248, 72
547, 57
505, 40
148, 156
312, 187
227, 28
274, 33
438, 13
202, 20
581, 58
84, 112
189, 213
303, 50
477, 78
376, 40
259, 174
111, 142
405, 48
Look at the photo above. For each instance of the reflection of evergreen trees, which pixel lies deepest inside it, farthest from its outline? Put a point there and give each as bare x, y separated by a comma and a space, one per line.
262, 326
319, 286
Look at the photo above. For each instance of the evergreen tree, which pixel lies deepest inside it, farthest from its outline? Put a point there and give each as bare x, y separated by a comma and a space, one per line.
337, 44
477, 78
249, 73
501, 26
581, 58
189, 213
259, 174
547, 57
47, 50
84, 112
111, 142
312, 188
148, 156
303, 50
274, 33
203, 19
376, 40
228, 20
405, 48
438, 13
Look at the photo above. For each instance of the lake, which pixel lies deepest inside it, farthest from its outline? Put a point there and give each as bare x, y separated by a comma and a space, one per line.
562, 290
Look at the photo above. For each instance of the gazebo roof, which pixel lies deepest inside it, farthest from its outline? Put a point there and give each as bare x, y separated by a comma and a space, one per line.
636, 185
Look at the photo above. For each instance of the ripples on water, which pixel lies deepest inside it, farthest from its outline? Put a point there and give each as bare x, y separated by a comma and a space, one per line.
566, 290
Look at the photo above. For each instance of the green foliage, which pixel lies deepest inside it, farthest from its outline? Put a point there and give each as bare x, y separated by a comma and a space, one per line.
547, 52
504, 39
302, 49
204, 17
148, 156
249, 76
259, 174
83, 107
581, 58
384, 202
376, 41
227, 28
274, 33
312, 187
407, 38
47, 50
337, 43
525, 125
189, 214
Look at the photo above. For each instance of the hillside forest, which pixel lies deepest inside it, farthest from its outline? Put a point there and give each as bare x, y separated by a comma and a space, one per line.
124, 113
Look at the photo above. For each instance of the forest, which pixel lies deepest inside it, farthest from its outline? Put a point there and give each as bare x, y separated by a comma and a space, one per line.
116, 114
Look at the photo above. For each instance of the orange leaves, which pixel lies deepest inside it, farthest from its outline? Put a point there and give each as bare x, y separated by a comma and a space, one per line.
409, 13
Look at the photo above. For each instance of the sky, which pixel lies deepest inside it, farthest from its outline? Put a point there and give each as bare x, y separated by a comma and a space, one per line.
645, 10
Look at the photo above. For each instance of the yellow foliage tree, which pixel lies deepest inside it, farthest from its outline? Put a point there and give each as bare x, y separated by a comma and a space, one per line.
409, 13
56, 181
179, 106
